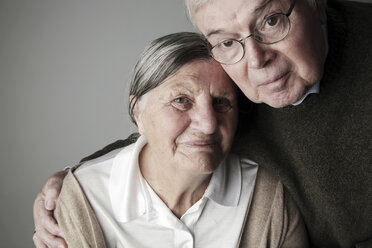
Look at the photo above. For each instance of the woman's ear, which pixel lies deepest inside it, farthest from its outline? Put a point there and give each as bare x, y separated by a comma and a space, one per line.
134, 104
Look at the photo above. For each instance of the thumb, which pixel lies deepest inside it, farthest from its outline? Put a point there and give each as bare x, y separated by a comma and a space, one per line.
52, 189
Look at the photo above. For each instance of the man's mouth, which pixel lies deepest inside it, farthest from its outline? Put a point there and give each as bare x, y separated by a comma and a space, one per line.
275, 83
275, 80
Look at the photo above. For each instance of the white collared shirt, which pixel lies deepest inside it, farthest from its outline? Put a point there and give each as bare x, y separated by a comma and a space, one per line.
132, 215
315, 88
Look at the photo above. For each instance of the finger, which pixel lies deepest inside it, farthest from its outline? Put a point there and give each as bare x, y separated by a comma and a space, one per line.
52, 189
43, 218
47, 233
38, 243
49, 239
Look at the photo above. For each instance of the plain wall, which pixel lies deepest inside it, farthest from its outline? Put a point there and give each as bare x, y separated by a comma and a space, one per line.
65, 66
64, 72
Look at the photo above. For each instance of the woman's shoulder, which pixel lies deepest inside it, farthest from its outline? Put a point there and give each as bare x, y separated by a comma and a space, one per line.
264, 176
99, 168
97, 164
94, 175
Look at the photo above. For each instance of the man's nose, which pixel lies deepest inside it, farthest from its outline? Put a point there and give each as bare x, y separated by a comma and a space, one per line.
204, 119
256, 54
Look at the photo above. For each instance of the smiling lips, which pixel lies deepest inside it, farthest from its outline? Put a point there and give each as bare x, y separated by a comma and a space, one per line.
201, 143
209, 143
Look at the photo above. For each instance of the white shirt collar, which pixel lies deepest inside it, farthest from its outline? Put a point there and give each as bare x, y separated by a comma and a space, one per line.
315, 87
225, 185
125, 186
130, 198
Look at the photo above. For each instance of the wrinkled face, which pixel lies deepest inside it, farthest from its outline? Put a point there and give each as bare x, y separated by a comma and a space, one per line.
190, 119
277, 74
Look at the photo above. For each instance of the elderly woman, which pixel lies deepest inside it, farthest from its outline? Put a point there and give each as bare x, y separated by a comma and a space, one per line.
178, 185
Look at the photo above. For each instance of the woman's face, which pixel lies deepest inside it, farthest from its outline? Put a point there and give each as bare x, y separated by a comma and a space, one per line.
190, 119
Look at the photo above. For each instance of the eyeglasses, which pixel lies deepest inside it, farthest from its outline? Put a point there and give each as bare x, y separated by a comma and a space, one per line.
272, 29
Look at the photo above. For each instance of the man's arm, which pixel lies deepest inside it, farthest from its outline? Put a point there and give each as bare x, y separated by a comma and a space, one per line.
47, 232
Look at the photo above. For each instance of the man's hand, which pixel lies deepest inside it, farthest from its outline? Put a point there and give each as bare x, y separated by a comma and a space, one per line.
47, 232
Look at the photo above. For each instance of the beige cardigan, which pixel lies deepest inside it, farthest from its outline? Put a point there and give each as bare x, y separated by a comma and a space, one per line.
271, 221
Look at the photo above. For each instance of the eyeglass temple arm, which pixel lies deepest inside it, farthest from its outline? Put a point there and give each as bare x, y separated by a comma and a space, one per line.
291, 8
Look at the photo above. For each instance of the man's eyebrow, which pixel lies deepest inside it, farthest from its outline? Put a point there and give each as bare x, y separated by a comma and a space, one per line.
258, 9
262, 6
214, 32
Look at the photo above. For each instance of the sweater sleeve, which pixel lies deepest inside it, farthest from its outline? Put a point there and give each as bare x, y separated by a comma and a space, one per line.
295, 234
273, 220
76, 217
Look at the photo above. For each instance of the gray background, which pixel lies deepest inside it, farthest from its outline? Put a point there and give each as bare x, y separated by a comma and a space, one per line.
64, 70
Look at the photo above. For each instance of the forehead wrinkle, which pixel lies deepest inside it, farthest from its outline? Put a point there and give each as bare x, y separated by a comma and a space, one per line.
256, 12
193, 87
184, 83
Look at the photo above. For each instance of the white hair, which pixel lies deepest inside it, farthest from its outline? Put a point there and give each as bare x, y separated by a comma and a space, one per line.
160, 59
193, 5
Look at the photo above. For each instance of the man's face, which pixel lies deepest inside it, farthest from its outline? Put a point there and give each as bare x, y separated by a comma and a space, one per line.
277, 74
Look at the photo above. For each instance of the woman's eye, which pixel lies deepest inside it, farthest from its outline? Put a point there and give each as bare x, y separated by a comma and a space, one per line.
180, 100
221, 104
182, 103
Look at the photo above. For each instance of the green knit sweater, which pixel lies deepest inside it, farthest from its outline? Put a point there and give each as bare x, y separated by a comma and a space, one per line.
321, 149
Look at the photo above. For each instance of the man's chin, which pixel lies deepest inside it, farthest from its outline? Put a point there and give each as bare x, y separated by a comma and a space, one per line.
279, 102
277, 99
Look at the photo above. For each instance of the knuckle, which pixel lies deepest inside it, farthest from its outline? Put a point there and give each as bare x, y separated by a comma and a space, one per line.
39, 198
37, 241
43, 222
52, 191
38, 206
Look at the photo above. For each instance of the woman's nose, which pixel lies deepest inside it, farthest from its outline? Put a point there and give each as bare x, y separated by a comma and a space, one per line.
204, 119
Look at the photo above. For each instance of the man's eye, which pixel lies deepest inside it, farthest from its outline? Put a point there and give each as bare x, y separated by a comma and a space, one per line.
272, 20
227, 43
221, 104
182, 103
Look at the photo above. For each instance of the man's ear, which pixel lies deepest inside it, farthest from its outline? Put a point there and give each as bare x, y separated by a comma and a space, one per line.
134, 104
321, 11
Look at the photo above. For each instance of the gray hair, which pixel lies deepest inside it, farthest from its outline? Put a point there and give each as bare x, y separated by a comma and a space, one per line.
162, 58
193, 5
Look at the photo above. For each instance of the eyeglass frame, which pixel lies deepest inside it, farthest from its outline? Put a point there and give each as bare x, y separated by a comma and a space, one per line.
241, 41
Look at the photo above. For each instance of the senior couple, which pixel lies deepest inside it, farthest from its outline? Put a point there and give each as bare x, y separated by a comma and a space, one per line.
307, 65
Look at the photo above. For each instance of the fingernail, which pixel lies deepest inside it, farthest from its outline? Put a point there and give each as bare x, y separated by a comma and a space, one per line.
50, 204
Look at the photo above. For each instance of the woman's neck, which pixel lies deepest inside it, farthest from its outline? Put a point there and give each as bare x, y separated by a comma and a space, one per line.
179, 190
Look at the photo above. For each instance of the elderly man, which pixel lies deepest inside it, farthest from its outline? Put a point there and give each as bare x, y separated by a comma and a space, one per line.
309, 69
